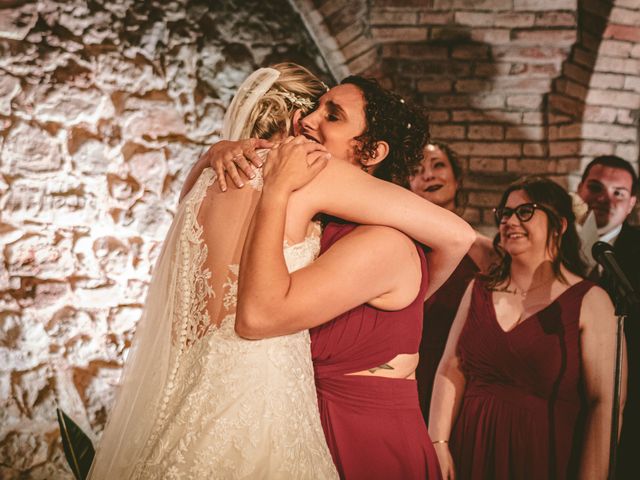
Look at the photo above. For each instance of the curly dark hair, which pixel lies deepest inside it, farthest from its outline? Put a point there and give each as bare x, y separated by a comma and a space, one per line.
390, 119
566, 246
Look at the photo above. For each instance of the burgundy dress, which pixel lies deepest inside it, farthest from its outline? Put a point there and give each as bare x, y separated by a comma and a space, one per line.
439, 311
373, 425
521, 411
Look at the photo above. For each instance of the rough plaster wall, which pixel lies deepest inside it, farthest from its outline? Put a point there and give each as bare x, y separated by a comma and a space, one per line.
103, 107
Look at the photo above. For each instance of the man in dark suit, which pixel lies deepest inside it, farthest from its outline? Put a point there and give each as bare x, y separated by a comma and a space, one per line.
609, 186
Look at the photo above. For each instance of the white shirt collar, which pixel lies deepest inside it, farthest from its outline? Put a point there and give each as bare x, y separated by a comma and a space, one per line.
610, 237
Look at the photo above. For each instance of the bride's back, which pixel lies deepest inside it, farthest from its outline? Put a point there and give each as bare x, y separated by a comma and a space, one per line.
224, 218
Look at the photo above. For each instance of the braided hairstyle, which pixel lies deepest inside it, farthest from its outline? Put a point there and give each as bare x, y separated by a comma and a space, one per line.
390, 119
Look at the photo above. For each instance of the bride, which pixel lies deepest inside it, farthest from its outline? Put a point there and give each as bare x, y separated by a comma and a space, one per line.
196, 400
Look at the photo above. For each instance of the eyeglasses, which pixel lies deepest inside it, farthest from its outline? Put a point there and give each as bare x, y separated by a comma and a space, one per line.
524, 212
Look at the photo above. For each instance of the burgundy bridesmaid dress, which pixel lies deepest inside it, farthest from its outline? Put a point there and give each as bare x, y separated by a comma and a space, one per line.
439, 311
373, 425
521, 414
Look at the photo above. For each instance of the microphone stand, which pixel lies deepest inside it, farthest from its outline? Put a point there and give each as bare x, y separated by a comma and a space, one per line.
622, 313
624, 297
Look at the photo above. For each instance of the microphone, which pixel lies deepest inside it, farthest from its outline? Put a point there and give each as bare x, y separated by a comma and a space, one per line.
604, 254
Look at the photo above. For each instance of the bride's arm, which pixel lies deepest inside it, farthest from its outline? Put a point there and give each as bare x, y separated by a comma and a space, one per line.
226, 157
345, 191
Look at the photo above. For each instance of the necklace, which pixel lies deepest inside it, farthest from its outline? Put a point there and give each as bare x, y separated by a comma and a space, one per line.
523, 293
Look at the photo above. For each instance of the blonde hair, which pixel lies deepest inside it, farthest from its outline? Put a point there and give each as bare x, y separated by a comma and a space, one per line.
295, 89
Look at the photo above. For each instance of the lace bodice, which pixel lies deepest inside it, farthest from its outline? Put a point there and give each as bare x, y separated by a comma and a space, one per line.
233, 408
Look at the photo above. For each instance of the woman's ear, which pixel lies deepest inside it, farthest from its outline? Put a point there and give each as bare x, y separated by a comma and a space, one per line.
382, 150
295, 122
563, 225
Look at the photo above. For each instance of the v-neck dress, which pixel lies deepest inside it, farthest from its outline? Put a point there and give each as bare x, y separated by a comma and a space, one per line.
521, 414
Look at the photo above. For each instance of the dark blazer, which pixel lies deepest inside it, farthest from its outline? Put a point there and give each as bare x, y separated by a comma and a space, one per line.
627, 251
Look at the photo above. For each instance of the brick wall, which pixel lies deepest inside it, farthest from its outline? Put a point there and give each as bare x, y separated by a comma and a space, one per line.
515, 86
104, 105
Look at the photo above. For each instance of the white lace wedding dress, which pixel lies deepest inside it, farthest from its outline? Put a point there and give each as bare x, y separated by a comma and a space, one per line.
197, 401
229, 408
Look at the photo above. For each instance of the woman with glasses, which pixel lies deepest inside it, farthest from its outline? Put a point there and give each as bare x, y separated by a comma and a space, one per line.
525, 386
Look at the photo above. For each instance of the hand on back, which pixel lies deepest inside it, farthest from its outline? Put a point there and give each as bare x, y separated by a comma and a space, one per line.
232, 157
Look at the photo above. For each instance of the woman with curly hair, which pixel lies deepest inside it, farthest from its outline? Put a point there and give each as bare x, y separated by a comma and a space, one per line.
525, 386
362, 298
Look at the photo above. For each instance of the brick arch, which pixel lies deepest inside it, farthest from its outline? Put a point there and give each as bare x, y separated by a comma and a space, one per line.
594, 106
616, 80
342, 32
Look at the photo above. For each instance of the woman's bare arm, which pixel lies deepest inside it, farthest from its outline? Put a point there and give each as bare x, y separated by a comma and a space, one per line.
482, 253
598, 350
448, 389
345, 191
369, 264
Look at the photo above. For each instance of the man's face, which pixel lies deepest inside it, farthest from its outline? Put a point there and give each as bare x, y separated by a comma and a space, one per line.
337, 120
607, 191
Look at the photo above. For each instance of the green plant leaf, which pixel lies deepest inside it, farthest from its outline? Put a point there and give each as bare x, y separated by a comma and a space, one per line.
77, 446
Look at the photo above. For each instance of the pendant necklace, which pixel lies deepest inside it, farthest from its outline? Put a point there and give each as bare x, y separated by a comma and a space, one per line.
523, 293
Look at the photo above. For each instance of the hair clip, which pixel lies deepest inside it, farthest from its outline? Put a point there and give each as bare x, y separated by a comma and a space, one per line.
300, 102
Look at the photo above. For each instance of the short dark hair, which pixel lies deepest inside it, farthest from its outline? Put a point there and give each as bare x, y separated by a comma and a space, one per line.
558, 205
390, 119
613, 161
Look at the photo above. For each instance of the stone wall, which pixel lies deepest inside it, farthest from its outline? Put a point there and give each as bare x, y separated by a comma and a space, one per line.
104, 105
514, 86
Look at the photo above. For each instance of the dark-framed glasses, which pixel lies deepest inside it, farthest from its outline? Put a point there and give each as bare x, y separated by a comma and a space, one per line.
524, 212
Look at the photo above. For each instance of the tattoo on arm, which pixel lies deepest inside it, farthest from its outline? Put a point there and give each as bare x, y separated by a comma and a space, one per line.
384, 366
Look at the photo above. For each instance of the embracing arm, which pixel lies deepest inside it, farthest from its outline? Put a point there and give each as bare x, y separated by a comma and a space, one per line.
371, 264
272, 301
347, 192
226, 157
598, 350
448, 388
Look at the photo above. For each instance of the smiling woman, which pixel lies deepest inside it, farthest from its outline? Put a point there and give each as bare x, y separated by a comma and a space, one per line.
362, 297
439, 179
530, 345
